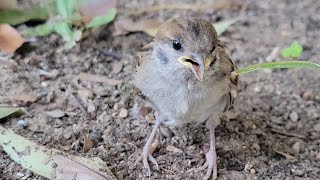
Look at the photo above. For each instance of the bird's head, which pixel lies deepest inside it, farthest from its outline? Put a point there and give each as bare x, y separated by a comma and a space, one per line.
185, 45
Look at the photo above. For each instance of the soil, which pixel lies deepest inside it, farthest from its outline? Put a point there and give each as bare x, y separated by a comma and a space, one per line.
273, 134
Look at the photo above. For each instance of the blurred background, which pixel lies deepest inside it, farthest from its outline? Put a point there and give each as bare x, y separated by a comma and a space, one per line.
69, 64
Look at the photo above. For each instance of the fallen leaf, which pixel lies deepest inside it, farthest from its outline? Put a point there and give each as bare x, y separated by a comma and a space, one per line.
52, 163
24, 97
10, 39
97, 78
294, 50
288, 157
87, 144
149, 26
57, 113
123, 113
5, 111
173, 149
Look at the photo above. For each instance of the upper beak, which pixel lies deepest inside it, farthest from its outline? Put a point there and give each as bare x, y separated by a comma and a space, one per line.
196, 65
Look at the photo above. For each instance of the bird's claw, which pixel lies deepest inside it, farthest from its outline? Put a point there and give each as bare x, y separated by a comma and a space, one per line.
144, 157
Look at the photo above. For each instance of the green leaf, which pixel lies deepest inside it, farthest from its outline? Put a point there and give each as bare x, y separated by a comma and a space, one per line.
277, 65
14, 17
104, 19
40, 30
65, 7
51, 163
69, 36
6, 111
294, 50
223, 25
64, 30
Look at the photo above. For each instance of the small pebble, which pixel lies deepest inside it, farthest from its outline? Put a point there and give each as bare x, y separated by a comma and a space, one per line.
67, 135
22, 123
297, 147
294, 116
44, 84
297, 172
19, 174
95, 135
256, 147
308, 96
318, 156
317, 127
253, 171
291, 126
123, 113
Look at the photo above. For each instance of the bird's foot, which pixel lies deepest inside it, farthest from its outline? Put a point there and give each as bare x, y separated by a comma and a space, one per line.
150, 147
211, 157
147, 155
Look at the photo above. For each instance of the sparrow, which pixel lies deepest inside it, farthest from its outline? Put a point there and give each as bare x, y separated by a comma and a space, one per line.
186, 76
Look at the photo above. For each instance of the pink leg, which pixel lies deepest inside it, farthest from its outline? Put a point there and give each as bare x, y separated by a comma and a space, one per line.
147, 152
211, 164
211, 157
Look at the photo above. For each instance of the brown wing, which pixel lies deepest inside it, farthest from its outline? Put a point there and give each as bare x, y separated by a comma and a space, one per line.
227, 65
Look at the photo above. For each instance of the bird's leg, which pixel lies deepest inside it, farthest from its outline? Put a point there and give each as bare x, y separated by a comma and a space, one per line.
211, 164
147, 152
211, 157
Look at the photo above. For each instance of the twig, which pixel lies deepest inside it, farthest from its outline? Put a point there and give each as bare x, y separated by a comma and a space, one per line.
288, 133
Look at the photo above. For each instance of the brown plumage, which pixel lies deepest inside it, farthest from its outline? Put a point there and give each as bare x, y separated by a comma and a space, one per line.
186, 76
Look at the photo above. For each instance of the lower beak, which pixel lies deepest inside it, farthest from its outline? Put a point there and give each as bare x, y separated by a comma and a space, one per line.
196, 66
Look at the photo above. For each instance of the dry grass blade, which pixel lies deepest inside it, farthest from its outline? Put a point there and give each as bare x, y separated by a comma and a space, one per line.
97, 78
288, 157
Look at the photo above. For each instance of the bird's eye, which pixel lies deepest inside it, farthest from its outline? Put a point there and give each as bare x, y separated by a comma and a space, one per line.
176, 45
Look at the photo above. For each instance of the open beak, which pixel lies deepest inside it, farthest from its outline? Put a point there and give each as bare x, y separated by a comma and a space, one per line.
195, 65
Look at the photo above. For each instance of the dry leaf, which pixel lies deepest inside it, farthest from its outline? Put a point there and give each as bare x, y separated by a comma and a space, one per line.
288, 157
52, 163
24, 97
57, 113
149, 26
10, 39
94, 8
173, 149
87, 144
97, 78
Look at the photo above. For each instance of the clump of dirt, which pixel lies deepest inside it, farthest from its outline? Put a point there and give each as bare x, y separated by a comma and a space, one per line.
274, 135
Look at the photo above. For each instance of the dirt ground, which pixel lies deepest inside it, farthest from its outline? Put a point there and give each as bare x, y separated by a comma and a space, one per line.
274, 134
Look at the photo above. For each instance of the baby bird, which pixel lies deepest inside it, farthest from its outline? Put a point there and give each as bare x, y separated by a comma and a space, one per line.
186, 76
